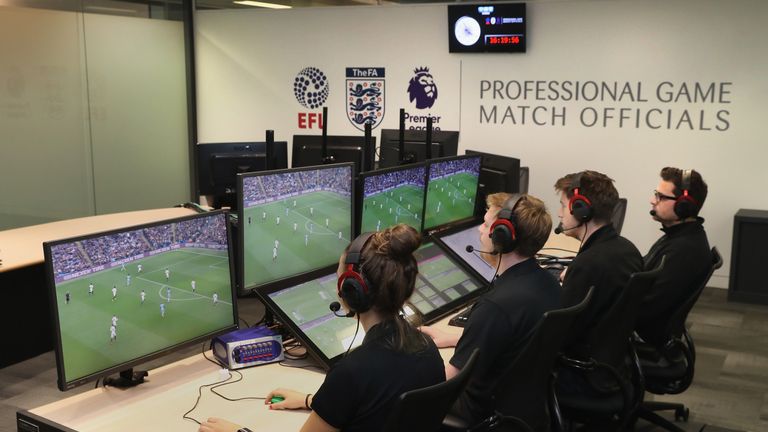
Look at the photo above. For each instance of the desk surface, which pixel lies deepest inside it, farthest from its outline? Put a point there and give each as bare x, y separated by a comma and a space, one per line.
22, 247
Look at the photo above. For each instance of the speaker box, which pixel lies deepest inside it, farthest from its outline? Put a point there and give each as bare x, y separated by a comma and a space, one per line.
749, 255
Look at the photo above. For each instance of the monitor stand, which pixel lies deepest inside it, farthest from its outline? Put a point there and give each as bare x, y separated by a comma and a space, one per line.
127, 378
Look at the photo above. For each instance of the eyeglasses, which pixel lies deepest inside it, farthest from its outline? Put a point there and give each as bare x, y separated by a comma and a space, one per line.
661, 197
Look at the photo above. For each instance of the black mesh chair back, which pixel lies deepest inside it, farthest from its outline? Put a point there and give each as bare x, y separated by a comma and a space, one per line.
617, 218
423, 410
525, 390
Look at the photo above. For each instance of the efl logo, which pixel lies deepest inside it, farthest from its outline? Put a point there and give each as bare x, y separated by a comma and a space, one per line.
423, 90
311, 90
365, 96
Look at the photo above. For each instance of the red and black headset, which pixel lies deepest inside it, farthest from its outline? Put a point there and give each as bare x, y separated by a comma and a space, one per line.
352, 286
579, 205
685, 205
504, 230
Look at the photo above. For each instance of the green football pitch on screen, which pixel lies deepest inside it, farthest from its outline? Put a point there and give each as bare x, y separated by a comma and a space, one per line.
403, 204
449, 199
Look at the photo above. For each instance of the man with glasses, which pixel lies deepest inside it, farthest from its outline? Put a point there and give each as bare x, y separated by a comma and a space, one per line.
675, 204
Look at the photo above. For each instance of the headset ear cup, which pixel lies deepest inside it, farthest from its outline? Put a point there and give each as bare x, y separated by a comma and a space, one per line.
581, 209
353, 290
503, 236
685, 207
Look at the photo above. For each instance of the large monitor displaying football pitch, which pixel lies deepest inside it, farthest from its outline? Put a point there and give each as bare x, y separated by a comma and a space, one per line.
393, 196
293, 221
451, 190
124, 297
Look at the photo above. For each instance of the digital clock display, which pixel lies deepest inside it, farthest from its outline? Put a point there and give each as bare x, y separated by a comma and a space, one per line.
487, 28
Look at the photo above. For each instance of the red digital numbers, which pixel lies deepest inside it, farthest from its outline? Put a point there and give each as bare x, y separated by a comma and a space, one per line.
504, 40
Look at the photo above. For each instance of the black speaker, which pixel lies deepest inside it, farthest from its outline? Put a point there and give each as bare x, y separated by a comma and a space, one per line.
748, 257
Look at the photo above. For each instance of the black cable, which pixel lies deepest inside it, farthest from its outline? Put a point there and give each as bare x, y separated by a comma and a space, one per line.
200, 389
246, 323
97, 383
559, 249
352, 342
240, 378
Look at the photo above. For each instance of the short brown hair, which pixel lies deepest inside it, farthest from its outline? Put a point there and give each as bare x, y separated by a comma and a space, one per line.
533, 221
597, 187
697, 189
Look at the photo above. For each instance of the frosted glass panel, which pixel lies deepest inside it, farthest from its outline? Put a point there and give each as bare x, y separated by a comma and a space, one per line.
136, 73
45, 161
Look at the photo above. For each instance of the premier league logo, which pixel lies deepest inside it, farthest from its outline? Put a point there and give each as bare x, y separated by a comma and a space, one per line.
311, 88
365, 96
422, 88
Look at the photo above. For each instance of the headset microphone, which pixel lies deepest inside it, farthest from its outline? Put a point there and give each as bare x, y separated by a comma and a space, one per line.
561, 229
335, 306
471, 249
652, 212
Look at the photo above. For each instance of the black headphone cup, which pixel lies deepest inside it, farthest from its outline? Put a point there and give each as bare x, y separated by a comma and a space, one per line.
684, 208
581, 210
503, 239
354, 294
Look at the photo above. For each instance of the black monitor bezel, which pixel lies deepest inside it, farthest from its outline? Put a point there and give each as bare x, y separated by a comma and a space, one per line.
290, 280
448, 225
335, 142
447, 141
233, 149
64, 385
361, 186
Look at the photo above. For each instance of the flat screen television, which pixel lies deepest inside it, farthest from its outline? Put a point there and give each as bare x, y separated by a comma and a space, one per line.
489, 27
123, 297
304, 309
219, 163
442, 285
307, 151
457, 240
391, 196
497, 174
444, 143
293, 221
451, 190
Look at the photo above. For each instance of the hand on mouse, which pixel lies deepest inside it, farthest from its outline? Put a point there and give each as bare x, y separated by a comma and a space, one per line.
291, 399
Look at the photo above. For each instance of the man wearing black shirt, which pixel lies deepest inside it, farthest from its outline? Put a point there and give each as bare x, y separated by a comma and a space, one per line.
502, 320
605, 259
685, 245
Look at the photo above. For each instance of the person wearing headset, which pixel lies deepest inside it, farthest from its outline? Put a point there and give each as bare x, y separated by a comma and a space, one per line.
514, 229
377, 275
675, 204
605, 261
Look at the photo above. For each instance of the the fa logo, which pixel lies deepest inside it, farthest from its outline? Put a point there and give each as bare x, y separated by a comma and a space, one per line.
365, 96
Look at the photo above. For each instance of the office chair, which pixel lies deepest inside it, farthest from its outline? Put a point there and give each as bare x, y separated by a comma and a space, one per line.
524, 396
524, 176
617, 218
423, 410
612, 372
676, 374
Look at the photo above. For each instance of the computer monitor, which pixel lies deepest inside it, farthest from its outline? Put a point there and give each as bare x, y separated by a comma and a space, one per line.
444, 143
391, 196
293, 221
123, 297
219, 163
497, 174
451, 190
304, 309
457, 240
307, 151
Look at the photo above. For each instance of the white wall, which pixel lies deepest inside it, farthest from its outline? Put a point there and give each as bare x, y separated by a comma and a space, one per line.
247, 62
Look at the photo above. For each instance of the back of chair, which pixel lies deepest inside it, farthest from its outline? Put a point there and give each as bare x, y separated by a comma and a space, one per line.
524, 390
617, 218
424, 409
676, 323
609, 340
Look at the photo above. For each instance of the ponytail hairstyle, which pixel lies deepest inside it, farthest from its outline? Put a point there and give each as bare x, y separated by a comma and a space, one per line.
388, 263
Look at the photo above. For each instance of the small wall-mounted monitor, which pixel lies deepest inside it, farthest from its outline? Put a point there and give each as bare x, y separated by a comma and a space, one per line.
293, 221
307, 151
391, 196
451, 190
124, 297
444, 143
219, 163
492, 27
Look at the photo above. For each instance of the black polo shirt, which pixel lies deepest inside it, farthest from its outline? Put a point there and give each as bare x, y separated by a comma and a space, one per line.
500, 325
605, 261
359, 393
688, 262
